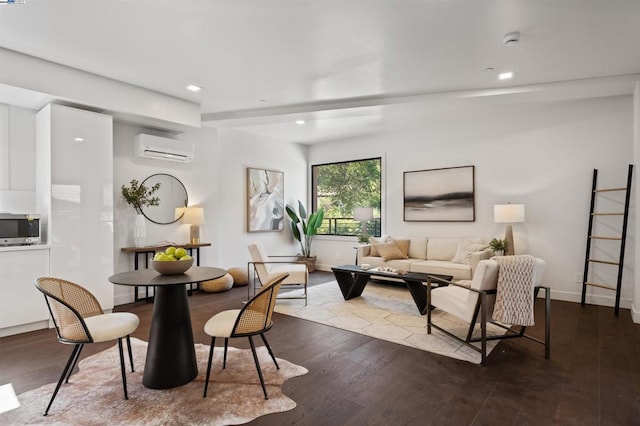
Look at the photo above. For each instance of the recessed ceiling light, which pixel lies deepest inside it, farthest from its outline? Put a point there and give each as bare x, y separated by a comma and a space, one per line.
505, 75
194, 88
511, 39
300, 121
78, 139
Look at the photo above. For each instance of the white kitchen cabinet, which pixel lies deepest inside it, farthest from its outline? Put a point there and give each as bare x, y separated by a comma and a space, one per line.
21, 303
75, 192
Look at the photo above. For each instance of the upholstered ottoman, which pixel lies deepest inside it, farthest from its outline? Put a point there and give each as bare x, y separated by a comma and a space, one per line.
239, 276
223, 283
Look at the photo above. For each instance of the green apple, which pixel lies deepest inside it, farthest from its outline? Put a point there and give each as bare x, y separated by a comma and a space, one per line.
172, 257
185, 257
170, 250
163, 258
180, 253
157, 255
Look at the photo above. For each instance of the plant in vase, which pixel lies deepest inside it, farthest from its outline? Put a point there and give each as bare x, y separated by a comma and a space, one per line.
304, 230
498, 246
139, 196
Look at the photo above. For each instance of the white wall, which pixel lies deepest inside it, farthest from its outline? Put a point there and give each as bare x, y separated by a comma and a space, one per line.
199, 177
542, 155
239, 150
635, 308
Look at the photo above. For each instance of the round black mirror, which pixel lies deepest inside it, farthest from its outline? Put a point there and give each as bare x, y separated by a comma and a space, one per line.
172, 195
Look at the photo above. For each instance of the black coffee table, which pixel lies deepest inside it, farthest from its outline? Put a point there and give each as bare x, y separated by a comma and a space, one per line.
352, 280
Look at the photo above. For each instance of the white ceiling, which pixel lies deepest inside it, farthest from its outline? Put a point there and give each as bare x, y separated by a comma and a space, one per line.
264, 63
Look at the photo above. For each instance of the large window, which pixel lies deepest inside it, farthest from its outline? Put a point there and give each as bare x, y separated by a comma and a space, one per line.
339, 188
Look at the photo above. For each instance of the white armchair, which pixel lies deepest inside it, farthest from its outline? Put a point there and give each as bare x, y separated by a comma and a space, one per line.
265, 269
470, 299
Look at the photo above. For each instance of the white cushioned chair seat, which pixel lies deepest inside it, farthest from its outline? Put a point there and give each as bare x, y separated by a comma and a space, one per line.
111, 326
455, 300
462, 302
221, 324
458, 271
297, 272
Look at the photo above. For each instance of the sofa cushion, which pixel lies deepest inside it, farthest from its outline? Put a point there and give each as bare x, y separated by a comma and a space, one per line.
399, 264
458, 271
465, 249
390, 251
418, 248
403, 244
374, 242
442, 248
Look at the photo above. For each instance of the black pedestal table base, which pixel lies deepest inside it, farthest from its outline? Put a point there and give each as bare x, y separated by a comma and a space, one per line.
171, 357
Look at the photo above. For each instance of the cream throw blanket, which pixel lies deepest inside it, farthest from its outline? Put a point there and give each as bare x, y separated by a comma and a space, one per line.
514, 298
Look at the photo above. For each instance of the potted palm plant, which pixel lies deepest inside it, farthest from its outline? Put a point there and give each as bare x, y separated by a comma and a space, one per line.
139, 196
304, 230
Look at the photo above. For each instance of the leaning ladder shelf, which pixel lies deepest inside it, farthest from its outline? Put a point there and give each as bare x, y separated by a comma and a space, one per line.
590, 237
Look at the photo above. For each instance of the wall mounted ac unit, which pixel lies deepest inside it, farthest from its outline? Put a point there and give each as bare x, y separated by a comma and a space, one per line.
159, 148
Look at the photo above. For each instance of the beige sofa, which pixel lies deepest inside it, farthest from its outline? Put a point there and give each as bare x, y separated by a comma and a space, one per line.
457, 257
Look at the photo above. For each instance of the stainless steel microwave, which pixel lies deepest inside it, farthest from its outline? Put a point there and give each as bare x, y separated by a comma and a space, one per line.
19, 229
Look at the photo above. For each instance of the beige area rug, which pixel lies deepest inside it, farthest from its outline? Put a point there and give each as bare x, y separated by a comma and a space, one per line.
385, 312
94, 394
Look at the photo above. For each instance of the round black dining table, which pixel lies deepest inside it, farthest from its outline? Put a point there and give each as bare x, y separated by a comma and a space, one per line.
171, 356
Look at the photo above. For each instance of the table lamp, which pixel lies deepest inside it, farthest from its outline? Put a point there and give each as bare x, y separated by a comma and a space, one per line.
194, 216
508, 213
363, 215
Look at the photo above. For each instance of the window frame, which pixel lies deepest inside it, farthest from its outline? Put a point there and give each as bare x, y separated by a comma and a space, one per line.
314, 190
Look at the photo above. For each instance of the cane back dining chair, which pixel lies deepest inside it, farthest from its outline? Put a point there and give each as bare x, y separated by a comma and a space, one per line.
254, 318
474, 303
265, 268
79, 319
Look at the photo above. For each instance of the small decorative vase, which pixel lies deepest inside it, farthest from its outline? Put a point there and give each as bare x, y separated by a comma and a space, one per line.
139, 231
498, 252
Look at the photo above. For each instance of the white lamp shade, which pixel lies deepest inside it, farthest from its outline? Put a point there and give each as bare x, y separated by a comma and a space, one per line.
193, 216
508, 213
363, 213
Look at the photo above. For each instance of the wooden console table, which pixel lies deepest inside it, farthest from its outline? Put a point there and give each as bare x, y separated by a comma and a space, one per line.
151, 250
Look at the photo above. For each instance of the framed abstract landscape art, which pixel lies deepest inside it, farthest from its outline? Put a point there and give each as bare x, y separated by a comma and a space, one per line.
265, 200
439, 195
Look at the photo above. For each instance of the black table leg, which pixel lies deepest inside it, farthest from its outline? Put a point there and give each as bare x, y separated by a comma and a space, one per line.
351, 284
171, 356
419, 294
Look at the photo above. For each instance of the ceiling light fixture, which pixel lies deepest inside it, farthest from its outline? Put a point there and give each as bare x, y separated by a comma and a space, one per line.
511, 39
194, 88
300, 122
78, 139
506, 75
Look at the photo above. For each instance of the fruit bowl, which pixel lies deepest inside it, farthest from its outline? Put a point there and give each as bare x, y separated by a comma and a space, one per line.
172, 267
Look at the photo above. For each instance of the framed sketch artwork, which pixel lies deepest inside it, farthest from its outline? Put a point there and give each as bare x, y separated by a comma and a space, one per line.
439, 195
265, 200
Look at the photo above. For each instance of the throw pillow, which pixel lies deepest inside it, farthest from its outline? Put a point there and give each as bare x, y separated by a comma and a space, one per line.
465, 249
374, 242
403, 245
390, 251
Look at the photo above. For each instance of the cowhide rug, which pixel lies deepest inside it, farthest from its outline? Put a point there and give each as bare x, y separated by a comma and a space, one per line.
94, 394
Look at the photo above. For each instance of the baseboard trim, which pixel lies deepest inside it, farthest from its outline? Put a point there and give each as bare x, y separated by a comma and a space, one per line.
24, 328
635, 313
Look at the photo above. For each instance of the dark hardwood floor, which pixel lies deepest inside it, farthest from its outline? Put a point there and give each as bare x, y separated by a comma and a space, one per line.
592, 378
